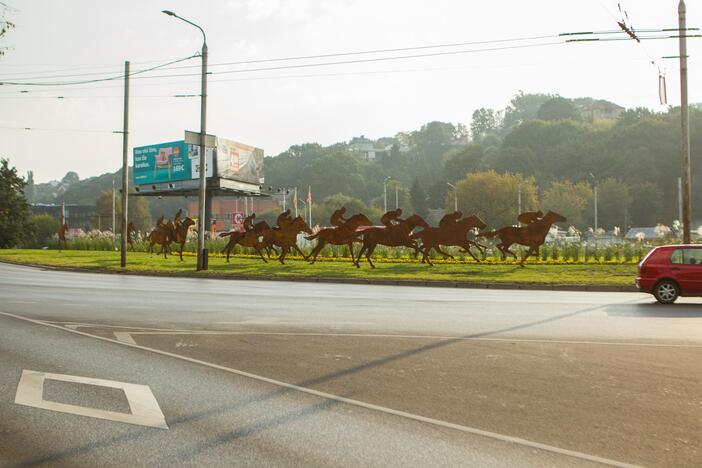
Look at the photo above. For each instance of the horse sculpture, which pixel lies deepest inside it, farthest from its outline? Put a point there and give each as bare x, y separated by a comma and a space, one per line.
346, 234
532, 235
454, 234
130, 237
63, 228
395, 236
180, 234
285, 237
250, 238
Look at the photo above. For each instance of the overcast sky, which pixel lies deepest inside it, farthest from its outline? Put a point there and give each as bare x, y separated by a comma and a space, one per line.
273, 109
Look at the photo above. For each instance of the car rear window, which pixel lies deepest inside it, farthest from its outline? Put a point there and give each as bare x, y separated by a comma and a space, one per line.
686, 256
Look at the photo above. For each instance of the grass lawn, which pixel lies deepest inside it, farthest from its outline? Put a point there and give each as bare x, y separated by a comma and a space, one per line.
571, 274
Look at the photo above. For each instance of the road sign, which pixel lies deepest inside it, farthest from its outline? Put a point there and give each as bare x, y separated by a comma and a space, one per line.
238, 218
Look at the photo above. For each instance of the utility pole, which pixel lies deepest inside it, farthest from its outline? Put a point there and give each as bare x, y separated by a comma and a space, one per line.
397, 199
385, 194
125, 169
680, 210
201, 252
594, 184
685, 121
113, 208
519, 201
455, 196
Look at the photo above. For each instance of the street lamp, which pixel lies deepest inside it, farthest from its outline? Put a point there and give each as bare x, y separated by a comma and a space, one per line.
455, 196
385, 194
201, 262
594, 183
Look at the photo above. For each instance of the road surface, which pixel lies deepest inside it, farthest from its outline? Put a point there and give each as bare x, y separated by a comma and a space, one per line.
111, 370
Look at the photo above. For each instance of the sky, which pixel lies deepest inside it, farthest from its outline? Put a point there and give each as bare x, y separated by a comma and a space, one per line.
270, 107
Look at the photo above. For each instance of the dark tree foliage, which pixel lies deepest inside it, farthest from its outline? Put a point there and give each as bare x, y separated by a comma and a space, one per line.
418, 199
15, 225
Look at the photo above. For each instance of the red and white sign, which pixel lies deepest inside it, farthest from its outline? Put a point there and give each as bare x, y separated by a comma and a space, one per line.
238, 218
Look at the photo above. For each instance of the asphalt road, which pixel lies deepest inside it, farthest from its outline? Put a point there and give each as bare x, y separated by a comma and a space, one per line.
305, 374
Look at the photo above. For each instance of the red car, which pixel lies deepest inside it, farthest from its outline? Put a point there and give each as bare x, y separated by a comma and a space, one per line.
670, 271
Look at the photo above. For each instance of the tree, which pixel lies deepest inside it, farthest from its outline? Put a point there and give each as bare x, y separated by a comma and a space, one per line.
571, 200
138, 209
462, 162
15, 227
45, 226
484, 122
613, 200
322, 211
493, 196
646, 205
419, 199
558, 108
522, 107
5, 25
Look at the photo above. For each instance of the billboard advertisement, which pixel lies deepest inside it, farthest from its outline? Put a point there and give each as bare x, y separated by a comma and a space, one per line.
238, 161
169, 162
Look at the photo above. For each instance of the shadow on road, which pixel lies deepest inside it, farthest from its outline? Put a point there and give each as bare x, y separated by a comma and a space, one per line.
654, 309
267, 423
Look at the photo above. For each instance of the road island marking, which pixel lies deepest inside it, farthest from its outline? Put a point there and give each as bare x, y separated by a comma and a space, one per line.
142, 403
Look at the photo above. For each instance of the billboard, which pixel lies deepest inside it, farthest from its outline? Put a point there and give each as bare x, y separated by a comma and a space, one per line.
169, 162
237, 161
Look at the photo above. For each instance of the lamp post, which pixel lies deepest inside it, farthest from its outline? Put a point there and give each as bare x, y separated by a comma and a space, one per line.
455, 196
201, 262
385, 194
594, 183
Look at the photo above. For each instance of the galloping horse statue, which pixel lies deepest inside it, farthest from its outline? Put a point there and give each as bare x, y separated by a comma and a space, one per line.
450, 234
285, 237
180, 234
250, 238
346, 234
62, 229
394, 236
532, 235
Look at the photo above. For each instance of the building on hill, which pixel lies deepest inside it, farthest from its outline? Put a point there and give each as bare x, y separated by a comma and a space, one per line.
592, 110
77, 216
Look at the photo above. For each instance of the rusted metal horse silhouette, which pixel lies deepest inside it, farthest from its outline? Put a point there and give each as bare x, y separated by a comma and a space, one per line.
180, 234
130, 237
62, 229
450, 234
163, 234
250, 238
346, 234
532, 235
395, 236
285, 237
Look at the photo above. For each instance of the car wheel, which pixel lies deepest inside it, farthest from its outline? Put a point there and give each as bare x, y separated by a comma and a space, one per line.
666, 292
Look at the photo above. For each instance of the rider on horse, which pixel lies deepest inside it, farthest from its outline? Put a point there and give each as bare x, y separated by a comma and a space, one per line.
284, 219
176, 220
337, 218
529, 217
248, 222
391, 218
450, 219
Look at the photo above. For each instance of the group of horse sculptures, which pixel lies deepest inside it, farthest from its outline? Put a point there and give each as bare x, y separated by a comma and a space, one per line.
453, 231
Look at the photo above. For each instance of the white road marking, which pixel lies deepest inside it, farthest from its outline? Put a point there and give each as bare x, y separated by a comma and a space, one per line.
21, 302
137, 307
144, 407
124, 337
76, 325
358, 403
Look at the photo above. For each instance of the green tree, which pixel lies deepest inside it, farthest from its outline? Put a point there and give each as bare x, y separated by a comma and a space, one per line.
419, 199
613, 201
138, 209
321, 212
466, 160
494, 196
484, 122
45, 227
522, 107
571, 200
646, 205
15, 227
558, 108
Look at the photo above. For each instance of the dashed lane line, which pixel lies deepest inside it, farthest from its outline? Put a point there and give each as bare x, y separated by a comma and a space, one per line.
358, 403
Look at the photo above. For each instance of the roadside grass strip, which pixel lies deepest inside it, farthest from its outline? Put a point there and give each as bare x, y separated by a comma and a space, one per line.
536, 273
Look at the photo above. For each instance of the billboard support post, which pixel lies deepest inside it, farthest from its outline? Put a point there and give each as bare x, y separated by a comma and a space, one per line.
125, 170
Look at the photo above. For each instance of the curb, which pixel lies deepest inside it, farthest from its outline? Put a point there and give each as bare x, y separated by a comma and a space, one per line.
364, 281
